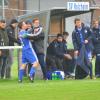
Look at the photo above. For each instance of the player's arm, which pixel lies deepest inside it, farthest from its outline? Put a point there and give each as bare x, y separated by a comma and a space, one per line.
22, 36
28, 35
36, 33
25, 35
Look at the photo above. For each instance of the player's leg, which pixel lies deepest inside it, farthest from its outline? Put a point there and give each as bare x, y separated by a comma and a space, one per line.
22, 67
33, 70
32, 58
21, 72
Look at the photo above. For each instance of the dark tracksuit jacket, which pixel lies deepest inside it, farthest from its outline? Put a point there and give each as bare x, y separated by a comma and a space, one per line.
86, 33
57, 49
78, 42
4, 41
11, 35
96, 42
38, 45
55, 54
38, 42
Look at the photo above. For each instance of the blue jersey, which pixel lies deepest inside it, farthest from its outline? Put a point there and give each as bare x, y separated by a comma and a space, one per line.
28, 53
25, 41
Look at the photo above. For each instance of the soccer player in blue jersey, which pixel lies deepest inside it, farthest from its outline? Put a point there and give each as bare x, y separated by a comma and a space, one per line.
28, 54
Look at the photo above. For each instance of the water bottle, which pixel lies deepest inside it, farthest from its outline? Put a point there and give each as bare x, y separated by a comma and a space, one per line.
56, 76
59, 76
53, 76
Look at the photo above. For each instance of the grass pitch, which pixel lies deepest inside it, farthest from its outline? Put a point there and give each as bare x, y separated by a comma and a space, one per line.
50, 90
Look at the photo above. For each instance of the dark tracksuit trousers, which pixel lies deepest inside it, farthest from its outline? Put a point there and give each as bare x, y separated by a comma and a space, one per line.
97, 64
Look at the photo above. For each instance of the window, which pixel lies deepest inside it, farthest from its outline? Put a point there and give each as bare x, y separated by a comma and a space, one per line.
5, 2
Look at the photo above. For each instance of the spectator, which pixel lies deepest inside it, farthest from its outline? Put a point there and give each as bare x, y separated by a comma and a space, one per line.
38, 44
83, 47
4, 41
56, 53
96, 42
11, 32
12, 39
68, 63
65, 36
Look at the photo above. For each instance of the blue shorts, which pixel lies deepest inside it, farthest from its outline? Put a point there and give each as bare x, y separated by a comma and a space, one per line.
29, 56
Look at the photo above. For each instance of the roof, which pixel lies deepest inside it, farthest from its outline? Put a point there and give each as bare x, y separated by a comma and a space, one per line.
59, 11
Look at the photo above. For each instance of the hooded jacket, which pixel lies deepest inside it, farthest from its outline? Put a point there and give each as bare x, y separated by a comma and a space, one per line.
96, 40
4, 41
11, 35
87, 35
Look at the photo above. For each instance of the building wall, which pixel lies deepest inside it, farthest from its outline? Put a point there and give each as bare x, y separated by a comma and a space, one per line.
32, 5
36, 5
96, 14
52, 3
39, 5
14, 4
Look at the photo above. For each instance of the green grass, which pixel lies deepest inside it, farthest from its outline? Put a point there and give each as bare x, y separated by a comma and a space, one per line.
48, 90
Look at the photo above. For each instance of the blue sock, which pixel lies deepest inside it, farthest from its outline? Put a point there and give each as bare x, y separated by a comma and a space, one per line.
21, 73
32, 72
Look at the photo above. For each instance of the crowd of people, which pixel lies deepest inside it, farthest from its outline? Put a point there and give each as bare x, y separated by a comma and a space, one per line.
86, 42
7, 38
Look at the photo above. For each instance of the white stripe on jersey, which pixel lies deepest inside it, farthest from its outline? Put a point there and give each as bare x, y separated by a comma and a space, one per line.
33, 51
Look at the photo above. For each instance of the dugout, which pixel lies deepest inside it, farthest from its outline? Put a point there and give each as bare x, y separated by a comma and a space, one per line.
58, 20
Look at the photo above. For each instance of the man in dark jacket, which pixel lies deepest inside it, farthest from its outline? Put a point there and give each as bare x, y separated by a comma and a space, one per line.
96, 42
12, 39
56, 53
11, 32
38, 44
82, 36
4, 41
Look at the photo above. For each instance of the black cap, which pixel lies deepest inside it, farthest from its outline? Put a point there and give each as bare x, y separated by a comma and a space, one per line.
2, 21
13, 21
28, 22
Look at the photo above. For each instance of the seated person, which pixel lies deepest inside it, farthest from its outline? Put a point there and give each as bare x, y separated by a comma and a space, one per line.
56, 53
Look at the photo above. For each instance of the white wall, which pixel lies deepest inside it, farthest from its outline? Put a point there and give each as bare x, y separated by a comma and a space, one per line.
45, 4
32, 5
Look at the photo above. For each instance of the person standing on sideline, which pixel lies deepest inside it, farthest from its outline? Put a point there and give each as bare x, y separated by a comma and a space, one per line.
38, 44
12, 39
68, 63
28, 53
82, 38
96, 43
4, 41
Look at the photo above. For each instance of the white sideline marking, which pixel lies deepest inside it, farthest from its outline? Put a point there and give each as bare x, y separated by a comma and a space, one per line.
10, 47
